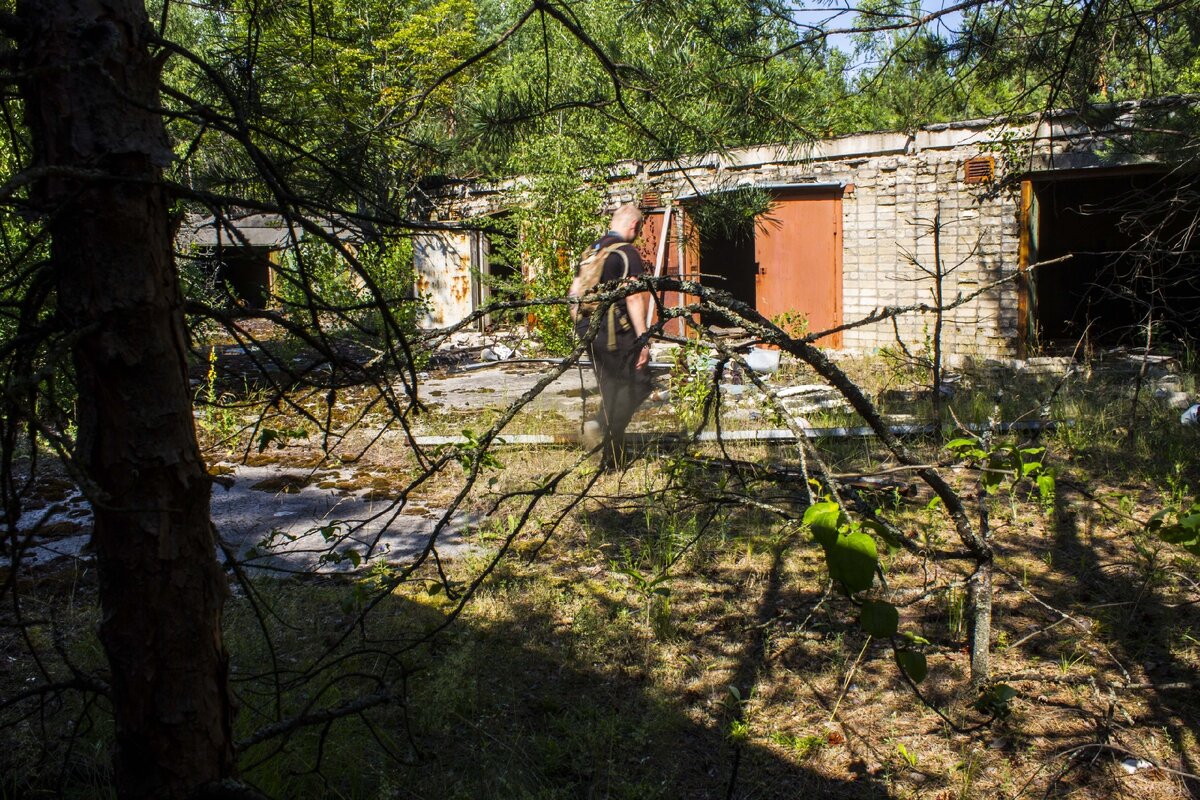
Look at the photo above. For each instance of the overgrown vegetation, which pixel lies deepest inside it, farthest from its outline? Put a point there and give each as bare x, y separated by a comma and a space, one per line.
685, 614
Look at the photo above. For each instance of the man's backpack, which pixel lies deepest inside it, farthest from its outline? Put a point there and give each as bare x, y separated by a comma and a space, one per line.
591, 267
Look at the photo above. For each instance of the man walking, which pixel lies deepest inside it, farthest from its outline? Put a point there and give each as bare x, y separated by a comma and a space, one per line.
621, 366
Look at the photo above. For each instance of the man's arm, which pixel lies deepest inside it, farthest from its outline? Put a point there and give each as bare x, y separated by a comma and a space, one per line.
636, 305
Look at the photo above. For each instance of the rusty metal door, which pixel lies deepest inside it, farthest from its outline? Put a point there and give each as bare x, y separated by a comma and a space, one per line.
1027, 297
798, 255
676, 255
442, 261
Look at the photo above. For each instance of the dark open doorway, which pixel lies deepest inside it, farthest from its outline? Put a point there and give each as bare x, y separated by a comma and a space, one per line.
1133, 260
497, 257
246, 275
727, 263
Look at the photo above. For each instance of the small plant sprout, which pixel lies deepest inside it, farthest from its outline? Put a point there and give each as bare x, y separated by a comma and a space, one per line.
1068, 660
802, 746
1006, 462
1178, 526
691, 383
996, 700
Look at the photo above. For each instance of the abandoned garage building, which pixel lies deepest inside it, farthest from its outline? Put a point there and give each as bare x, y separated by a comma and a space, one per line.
240, 252
850, 231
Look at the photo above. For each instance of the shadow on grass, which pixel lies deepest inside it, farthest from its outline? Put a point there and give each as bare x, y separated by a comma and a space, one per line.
540, 706
1094, 574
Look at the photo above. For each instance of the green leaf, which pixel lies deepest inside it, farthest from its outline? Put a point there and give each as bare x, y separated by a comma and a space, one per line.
824, 519
265, 437
1191, 522
879, 619
913, 664
1176, 534
1045, 485
1156, 522
1015, 464
852, 560
883, 532
992, 475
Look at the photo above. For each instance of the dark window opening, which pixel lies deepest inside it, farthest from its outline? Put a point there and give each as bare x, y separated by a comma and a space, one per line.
1134, 259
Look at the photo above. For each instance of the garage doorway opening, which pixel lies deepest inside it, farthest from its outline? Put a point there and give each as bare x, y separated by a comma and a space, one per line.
244, 276
727, 263
496, 258
1135, 259
785, 262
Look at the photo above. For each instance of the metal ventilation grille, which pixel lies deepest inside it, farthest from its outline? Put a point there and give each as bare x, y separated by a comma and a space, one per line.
651, 200
979, 170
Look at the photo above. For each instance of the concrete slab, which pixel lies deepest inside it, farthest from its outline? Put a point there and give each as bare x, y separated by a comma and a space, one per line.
312, 529
500, 384
301, 529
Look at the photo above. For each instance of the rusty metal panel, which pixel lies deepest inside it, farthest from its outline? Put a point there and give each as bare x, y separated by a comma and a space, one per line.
442, 262
798, 254
1027, 287
675, 256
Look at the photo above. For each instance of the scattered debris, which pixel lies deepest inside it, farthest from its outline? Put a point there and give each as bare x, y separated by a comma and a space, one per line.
1132, 765
760, 359
1173, 399
498, 352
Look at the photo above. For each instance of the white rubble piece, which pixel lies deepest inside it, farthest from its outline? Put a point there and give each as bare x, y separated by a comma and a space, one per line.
498, 352
1173, 399
760, 359
806, 389
1132, 765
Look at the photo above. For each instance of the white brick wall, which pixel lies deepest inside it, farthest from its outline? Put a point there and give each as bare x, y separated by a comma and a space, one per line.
889, 213
899, 181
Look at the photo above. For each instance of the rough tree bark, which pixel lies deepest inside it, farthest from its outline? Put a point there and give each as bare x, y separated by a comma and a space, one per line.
90, 89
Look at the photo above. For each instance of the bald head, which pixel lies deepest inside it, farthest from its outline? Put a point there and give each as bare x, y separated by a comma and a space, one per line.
626, 220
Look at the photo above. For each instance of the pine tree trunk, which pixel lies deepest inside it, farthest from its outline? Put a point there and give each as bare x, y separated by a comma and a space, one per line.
90, 93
